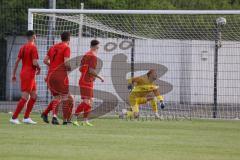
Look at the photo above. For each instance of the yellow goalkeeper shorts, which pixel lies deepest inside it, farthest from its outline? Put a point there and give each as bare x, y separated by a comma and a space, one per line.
136, 101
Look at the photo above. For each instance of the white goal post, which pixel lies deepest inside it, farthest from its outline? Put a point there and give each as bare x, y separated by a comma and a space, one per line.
195, 53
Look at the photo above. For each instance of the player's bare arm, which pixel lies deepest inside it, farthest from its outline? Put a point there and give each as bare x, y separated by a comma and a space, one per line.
46, 60
135, 80
132, 81
67, 63
35, 63
93, 73
15, 69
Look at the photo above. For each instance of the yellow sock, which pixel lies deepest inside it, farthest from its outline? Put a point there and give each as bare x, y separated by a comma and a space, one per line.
130, 114
154, 105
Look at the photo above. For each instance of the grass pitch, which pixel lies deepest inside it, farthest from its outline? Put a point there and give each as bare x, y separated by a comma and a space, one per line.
114, 139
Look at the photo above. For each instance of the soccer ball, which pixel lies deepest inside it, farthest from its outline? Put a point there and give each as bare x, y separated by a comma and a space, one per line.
124, 111
221, 21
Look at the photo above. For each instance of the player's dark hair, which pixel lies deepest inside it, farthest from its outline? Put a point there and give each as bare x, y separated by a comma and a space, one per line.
94, 43
29, 34
65, 36
150, 72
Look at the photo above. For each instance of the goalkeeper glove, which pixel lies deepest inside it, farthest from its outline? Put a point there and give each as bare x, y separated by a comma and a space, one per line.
162, 105
130, 87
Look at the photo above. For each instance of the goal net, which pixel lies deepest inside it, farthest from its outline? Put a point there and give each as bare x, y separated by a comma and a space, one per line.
195, 53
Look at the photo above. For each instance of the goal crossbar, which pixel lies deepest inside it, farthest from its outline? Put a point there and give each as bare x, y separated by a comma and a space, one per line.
89, 11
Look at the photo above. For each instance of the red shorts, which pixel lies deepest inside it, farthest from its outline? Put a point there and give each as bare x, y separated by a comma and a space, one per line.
86, 90
28, 82
58, 85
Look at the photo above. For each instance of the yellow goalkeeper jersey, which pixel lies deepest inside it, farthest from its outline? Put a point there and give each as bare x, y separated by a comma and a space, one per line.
142, 86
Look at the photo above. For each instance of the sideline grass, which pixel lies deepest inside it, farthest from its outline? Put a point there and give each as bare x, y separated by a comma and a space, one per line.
113, 139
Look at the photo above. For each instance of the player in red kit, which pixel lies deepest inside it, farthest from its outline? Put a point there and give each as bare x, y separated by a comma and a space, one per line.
88, 75
57, 79
28, 54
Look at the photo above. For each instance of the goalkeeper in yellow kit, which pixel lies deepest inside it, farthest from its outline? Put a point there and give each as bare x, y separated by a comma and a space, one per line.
143, 90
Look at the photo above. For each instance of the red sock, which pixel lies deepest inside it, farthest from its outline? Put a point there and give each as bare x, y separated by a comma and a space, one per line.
67, 110
30, 105
87, 111
80, 108
55, 104
69, 114
48, 109
19, 108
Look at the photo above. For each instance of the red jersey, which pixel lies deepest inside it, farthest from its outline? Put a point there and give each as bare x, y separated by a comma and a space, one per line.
56, 54
89, 60
27, 53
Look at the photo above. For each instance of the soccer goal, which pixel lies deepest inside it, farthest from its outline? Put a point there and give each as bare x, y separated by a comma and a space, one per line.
195, 53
